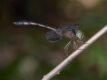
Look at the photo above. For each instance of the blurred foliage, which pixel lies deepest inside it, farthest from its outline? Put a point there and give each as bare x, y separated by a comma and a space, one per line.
25, 54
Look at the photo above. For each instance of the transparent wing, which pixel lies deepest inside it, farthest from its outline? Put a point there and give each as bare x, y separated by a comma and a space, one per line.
52, 36
72, 45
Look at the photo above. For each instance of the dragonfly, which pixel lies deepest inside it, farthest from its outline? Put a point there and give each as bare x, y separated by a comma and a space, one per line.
70, 31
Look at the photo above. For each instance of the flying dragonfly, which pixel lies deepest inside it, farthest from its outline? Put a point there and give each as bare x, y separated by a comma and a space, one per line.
55, 34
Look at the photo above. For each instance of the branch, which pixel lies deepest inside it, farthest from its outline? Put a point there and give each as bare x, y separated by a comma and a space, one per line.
73, 55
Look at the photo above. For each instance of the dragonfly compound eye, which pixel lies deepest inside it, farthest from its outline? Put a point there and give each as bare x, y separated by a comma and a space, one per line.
53, 37
79, 34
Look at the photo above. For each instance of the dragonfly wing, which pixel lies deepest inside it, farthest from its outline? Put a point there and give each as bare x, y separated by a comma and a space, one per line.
72, 45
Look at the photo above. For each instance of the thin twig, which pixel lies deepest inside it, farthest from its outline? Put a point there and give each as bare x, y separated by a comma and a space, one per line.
73, 55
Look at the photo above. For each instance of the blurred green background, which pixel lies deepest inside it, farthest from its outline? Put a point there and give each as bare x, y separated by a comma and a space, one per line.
25, 54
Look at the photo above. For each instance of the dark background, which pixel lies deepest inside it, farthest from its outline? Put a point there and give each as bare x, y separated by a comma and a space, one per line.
25, 54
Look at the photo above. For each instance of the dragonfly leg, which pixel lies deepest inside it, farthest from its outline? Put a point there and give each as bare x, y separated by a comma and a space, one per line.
67, 47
